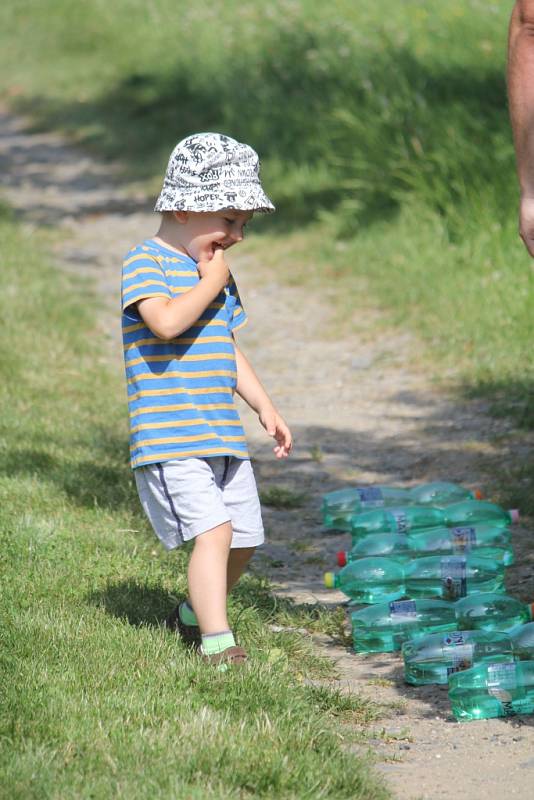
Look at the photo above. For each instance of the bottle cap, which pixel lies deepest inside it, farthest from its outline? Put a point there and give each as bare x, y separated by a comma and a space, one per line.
329, 580
531, 609
514, 514
478, 494
341, 558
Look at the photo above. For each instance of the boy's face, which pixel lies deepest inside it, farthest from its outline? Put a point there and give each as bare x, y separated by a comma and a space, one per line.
202, 233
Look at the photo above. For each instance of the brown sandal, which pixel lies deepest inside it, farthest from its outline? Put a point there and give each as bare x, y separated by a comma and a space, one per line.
232, 655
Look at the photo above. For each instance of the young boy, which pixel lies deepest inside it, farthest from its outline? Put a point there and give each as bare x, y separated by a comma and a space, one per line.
181, 308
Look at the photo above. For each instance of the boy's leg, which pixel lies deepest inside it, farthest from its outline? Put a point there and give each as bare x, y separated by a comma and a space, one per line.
237, 562
207, 578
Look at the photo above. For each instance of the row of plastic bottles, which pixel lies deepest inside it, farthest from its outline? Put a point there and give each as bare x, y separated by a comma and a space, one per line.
489, 541
379, 580
385, 627
340, 505
404, 519
482, 643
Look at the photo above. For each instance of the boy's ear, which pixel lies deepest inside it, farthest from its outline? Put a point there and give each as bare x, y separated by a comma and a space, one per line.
180, 216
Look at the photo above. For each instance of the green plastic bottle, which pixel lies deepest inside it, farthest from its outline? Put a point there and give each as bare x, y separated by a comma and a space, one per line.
452, 577
376, 580
339, 506
493, 689
491, 611
369, 580
432, 658
488, 540
377, 544
405, 519
385, 627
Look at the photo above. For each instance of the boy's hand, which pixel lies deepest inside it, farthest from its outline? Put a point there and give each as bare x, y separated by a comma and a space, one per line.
216, 268
277, 428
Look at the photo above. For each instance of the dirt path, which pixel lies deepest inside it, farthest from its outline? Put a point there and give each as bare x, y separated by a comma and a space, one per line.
360, 411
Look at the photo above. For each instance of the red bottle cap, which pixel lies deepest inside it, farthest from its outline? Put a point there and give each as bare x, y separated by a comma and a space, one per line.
342, 558
477, 494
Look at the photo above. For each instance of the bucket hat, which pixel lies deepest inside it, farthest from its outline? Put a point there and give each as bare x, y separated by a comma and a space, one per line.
210, 172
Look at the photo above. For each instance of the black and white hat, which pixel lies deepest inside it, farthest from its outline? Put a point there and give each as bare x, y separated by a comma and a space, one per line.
209, 172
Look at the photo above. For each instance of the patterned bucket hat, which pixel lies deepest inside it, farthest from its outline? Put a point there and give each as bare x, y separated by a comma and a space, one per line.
209, 172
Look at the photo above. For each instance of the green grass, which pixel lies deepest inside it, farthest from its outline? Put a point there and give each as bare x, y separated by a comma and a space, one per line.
99, 700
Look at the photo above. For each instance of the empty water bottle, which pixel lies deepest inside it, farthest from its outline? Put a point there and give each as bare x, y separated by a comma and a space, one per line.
375, 580
369, 580
385, 627
487, 541
493, 689
432, 658
452, 577
484, 540
377, 544
491, 611
339, 506
411, 518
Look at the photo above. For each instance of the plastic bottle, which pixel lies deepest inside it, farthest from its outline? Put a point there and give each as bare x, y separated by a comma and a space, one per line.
488, 690
487, 541
377, 544
383, 628
338, 506
452, 577
376, 580
404, 519
491, 611
432, 658
464, 539
369, 580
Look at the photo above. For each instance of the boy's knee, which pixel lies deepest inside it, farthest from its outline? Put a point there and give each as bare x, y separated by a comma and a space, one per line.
220, 535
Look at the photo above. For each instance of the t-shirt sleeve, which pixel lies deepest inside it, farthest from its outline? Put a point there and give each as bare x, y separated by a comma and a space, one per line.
239, 317
142, 277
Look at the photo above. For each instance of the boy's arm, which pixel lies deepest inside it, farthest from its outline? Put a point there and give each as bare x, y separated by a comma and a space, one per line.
521, 102
251, 390
169, 318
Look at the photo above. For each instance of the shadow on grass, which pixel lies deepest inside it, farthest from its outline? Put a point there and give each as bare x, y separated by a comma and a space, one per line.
140, 603
368, 128
104, 481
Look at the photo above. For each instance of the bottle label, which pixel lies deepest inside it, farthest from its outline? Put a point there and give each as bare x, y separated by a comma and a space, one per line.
463, 539
453, 577
502, 684
462, 651
400, 519
404, 609
370, 496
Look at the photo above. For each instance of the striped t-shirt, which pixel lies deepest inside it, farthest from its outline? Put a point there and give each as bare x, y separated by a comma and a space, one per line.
180, 392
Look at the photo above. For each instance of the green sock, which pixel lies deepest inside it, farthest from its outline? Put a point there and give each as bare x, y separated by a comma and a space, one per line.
186, 613
214, 643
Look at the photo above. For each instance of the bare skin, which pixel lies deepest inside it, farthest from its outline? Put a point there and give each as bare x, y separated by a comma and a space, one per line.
521, 102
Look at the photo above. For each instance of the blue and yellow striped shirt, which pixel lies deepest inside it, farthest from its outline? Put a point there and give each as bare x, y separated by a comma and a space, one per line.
180, 392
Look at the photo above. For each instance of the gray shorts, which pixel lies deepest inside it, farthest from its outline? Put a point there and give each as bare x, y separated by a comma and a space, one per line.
186, 497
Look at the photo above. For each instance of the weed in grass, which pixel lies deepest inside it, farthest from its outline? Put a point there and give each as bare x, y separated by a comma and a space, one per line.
280, 497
